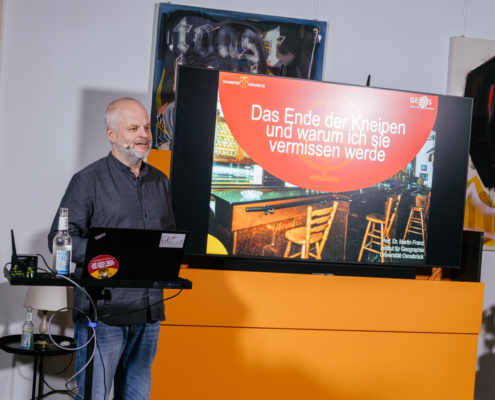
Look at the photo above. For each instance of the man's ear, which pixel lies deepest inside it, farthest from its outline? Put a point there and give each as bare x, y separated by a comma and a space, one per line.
111, 135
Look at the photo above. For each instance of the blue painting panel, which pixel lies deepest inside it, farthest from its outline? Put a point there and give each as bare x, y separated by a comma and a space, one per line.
229, 41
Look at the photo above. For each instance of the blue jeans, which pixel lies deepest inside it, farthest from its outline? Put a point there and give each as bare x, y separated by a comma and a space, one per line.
127, 352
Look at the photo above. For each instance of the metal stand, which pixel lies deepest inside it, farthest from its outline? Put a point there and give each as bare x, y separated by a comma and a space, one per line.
41, 375
12, 344
96, 290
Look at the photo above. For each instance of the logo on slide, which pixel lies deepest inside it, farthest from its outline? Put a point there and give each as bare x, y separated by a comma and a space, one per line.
423, 102
244, 82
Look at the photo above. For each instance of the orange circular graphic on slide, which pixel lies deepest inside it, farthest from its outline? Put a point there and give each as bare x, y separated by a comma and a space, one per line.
325, 136
103, 267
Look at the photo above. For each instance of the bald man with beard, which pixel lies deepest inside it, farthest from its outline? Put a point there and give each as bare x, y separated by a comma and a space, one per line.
119, 191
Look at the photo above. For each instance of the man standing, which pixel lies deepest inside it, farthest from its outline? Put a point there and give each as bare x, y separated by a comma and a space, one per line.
119, 191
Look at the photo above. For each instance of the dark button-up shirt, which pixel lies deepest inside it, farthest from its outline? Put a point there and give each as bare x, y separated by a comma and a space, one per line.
108, 194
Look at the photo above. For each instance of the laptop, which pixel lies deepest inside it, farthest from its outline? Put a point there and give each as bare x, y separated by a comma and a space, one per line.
117, 254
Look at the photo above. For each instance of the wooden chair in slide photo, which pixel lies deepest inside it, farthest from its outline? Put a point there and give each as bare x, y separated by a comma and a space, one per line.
318, 225
416, 223
377, 236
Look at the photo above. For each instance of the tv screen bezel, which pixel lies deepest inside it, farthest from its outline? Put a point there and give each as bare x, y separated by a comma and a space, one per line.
195, 119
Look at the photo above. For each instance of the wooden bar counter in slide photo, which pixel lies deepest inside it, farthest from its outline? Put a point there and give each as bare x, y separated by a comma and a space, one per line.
251, 335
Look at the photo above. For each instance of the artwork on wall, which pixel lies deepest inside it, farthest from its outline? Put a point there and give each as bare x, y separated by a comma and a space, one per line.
424, 167
231, 41
424, 177
472, 74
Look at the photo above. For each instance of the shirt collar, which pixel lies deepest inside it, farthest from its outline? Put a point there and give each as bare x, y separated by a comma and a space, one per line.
118, 164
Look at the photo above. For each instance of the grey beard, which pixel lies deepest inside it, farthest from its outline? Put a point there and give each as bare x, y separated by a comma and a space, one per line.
130, 155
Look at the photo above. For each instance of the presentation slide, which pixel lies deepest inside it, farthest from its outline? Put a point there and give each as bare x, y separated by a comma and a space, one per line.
285, 148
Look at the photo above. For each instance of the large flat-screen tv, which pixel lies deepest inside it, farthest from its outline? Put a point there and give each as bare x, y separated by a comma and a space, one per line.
279, 174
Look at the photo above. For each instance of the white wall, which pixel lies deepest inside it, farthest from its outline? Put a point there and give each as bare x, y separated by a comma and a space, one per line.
64, 61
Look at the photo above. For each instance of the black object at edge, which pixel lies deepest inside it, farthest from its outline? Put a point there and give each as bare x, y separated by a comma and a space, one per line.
307, 268
471, 255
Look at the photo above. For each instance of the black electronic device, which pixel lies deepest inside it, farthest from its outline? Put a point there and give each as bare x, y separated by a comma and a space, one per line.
207, 133
117, 254
23, 265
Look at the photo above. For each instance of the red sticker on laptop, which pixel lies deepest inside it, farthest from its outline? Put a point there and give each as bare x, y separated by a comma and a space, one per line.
103, 267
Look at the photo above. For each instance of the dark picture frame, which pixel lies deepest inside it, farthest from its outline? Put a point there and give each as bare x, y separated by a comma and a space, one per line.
228, 41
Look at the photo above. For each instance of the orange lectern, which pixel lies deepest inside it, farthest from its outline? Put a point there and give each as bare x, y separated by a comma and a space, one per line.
248, 335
